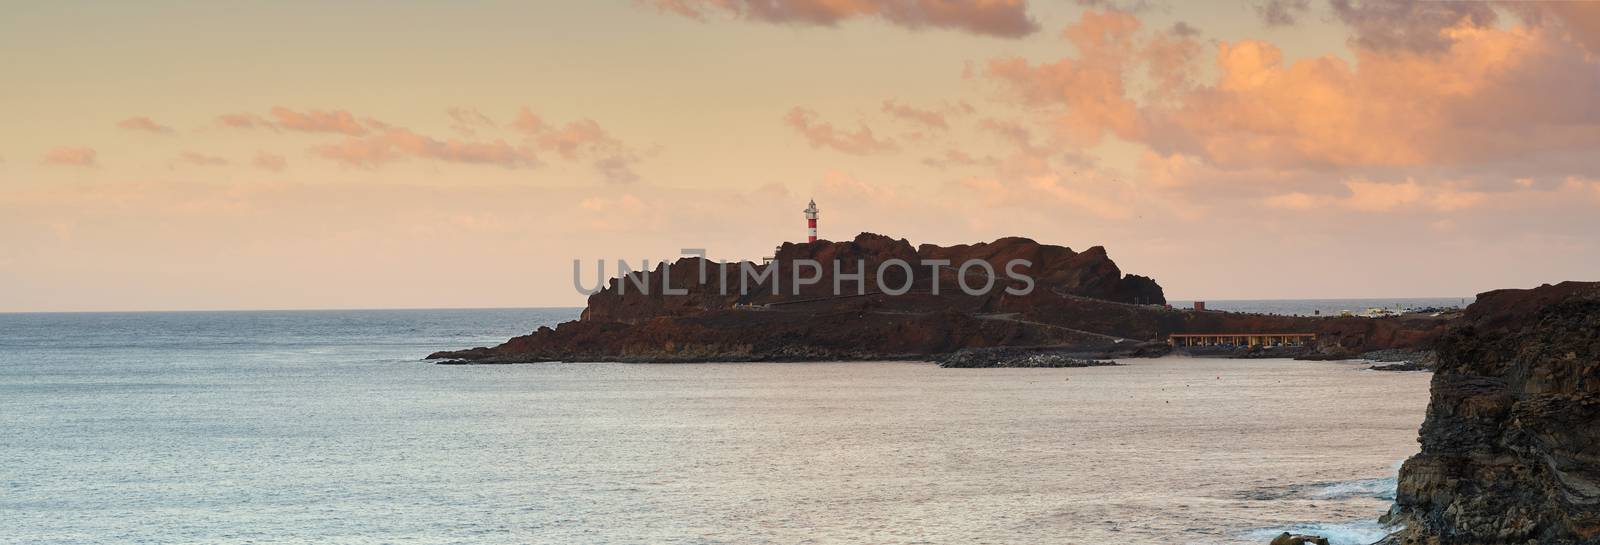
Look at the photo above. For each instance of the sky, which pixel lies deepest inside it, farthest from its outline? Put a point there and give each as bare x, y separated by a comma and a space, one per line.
302, 155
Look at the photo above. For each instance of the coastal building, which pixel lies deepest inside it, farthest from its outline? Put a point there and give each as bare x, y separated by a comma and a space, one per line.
1241, 339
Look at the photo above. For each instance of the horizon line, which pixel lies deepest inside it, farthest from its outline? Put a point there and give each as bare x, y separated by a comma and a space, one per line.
356, 309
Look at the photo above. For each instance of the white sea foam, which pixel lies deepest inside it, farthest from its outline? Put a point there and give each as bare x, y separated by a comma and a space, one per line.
1382, 489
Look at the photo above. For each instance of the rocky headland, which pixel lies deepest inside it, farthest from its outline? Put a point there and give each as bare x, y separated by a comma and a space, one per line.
1080, 303
1511, 444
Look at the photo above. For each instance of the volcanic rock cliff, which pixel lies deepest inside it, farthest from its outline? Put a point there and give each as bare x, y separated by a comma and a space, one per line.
1090, 274
697, 310
1511, 444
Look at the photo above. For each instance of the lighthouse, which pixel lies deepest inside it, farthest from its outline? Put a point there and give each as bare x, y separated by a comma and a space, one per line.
811, 221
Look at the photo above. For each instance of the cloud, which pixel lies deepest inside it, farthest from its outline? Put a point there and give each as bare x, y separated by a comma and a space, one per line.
927, 118
1377, 197
244, 121
1013, 133
371, 143
467, 121
1489, 94
70, 156
396, 143
1369, 196
1494, 94
1417, 26
270, 162
617, 169
200, 159
527, 122
821, 134
577, 137
1126, 6
840, 186
313, 121
1089, 89
1001, 18
1056, 191
1293, 201
141, 123
1174, 170
953, 158
1085, 199
580, 140
1281, 12
1580, 20
336, 121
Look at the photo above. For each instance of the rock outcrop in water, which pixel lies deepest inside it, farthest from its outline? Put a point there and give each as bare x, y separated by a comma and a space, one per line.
1511, 444
1081, 302
1287, 538
986, 358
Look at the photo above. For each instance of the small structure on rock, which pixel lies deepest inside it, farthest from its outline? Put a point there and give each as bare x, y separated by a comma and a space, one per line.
811, 221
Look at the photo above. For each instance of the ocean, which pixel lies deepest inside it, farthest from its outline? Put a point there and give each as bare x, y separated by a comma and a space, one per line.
327, 427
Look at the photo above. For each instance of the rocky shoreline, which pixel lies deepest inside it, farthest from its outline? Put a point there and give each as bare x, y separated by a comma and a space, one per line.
1511, 445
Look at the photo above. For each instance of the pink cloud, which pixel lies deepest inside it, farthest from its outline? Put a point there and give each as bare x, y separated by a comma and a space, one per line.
396, 143
1002, 18
1089, 89
336, 121
200, 159
1484, 93
70, 156
579, 140
1581, 19
270, 162
1369, 196
952, 158
821, 134
141, 123
527, 122
314, 121
927, 118
582, 135
243, 121
467, 121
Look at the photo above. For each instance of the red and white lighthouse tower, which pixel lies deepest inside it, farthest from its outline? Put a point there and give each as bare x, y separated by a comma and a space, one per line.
811, 221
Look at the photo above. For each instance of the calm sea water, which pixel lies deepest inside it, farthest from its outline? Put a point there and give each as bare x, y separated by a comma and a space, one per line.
1325, 307
324, 427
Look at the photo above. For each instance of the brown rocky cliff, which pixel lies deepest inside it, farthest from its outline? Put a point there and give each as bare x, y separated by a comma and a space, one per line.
1055, 269
1080, 301
1511, 444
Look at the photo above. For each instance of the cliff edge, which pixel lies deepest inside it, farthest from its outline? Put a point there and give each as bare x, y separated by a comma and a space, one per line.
1511, 444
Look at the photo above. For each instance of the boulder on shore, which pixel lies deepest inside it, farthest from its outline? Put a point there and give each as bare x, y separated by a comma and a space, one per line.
1287, 538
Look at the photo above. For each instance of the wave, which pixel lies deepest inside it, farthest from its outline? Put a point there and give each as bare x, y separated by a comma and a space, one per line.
1338, 533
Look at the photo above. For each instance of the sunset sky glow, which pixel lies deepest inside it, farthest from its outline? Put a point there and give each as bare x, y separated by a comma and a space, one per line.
175, 155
